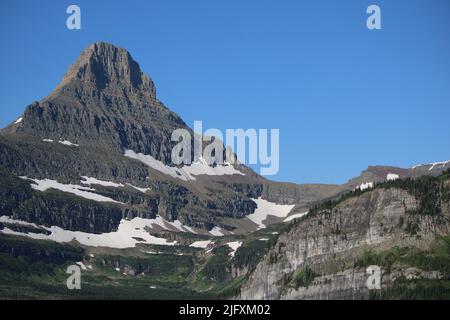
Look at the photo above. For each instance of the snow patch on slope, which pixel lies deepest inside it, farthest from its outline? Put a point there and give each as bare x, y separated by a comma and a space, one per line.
442, 164
234, 245
125, 237
217, 232
68, 143
185, 173
295, 216
64, 142
143, 190
171, 226
265, 208
432, 165
84, 192
201, 244
364, 186
89, 181
392, 177
19, 120
6, 219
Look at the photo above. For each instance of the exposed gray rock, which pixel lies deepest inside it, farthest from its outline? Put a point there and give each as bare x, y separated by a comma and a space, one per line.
376, 219
104, 100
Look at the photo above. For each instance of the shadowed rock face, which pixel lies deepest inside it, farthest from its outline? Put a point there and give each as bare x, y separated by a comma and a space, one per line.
105, 99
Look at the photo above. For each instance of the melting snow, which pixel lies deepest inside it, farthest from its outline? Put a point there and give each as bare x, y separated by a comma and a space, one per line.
89, 181
64, 142
234, 246
177, 225
432, 165
365, 185
392, 176
68, 143
81, 191
6, 219
442, 164
18, 120
217, 232
124, 237
143, 190
185, 173
265, 208
201, 244
45, 184
295, 216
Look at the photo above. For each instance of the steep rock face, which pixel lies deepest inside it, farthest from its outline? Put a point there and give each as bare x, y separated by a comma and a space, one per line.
322, 241
105, 100
108, 70
348, 284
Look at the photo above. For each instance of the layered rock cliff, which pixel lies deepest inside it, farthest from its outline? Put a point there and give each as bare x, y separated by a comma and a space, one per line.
319, 256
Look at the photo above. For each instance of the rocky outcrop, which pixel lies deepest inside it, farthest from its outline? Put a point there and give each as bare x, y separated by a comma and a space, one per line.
329, 242
348, 284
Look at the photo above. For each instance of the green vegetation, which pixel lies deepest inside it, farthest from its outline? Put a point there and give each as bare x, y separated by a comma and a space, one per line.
250, 253
230, 289
418, 289
36, 269
302, 277
437, 258
217, 267
428, 190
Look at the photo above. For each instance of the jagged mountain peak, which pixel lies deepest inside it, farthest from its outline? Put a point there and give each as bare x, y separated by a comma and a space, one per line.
104, 66
107, 101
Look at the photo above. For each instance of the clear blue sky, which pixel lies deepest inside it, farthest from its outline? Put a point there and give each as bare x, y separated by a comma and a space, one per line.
342, 96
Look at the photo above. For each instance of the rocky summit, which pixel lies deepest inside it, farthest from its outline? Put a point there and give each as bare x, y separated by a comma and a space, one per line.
104, 100
86, 178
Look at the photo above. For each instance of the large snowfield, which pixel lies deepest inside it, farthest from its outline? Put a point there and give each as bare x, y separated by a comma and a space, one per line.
185, 173
265, 209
